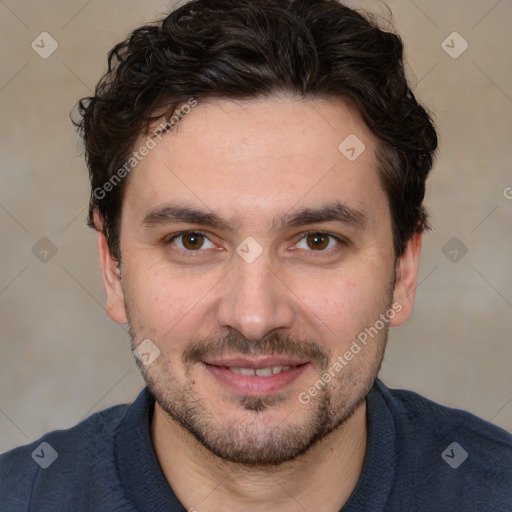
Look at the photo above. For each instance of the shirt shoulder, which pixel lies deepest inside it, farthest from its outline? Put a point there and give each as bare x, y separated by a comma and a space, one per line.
70, 469
449, 454
418, 412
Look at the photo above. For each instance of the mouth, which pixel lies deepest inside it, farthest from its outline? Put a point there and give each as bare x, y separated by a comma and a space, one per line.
255, 377
260, 372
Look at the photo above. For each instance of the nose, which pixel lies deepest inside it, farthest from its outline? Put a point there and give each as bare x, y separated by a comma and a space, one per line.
255, 300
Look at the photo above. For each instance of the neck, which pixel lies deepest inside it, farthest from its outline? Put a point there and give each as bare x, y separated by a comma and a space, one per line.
324, 477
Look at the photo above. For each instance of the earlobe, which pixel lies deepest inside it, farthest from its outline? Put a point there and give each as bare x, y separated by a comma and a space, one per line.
115, 306
407, 279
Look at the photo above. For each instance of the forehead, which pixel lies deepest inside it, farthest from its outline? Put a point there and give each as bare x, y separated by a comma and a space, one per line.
255, 160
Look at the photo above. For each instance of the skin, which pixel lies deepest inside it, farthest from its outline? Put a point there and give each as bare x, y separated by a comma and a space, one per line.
252, 163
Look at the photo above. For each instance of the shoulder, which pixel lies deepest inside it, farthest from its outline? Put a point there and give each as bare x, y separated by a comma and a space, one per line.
60, 461
450, 453
439, 420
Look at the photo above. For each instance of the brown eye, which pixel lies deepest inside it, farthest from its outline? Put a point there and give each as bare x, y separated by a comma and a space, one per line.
192, 241
318, 241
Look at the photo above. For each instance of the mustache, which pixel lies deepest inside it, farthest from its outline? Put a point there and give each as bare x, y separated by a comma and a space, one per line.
271, 344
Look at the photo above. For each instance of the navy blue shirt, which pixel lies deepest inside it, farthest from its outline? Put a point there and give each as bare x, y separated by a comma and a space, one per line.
421, 457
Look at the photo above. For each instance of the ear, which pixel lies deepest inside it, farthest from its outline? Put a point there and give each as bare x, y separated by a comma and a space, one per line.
406, 281
111, 276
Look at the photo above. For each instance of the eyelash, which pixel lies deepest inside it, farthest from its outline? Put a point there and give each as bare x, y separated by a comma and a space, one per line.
171, 239
341, 241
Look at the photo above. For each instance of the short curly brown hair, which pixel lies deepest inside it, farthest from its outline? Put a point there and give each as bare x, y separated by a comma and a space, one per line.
244, 49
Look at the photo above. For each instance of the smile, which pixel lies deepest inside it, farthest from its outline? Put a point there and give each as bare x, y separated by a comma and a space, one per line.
260, 372
255, 378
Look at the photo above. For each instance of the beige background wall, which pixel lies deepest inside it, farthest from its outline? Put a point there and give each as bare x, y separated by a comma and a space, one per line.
62, 358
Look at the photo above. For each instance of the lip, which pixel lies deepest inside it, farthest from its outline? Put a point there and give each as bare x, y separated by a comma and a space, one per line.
254, 362
252, 385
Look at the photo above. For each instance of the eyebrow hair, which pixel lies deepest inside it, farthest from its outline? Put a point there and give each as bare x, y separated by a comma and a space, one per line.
174, 213
338, 212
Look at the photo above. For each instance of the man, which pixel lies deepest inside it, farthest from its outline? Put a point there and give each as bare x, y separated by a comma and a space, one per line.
257, 176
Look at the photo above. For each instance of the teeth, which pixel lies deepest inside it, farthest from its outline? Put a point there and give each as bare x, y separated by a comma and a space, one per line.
264, 372
260, 372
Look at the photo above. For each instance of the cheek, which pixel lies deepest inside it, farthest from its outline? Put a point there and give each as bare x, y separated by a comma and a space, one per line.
332, 299
341, 304
164, 305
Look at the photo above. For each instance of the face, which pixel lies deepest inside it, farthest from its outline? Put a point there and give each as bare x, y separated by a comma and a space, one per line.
254, 253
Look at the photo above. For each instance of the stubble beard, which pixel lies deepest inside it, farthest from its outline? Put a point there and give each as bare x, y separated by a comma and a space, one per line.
257, 441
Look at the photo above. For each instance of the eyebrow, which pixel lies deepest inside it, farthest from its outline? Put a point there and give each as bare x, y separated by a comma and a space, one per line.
172, 214
337, 212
